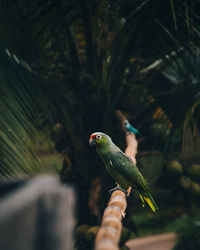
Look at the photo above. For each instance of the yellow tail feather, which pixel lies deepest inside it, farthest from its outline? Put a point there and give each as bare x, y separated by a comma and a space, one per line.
143, 204
150, 204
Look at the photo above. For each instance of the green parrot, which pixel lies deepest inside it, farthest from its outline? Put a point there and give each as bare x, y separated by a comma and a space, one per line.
121, 168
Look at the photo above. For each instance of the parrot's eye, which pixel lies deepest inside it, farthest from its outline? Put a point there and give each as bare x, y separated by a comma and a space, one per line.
98, 137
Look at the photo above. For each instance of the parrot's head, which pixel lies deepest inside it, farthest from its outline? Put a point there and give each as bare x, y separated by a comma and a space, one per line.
99, 139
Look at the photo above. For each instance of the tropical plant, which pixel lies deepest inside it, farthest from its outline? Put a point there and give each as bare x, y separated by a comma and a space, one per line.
89, 58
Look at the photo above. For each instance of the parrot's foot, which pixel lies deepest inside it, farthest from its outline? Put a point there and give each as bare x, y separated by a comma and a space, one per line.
118, 188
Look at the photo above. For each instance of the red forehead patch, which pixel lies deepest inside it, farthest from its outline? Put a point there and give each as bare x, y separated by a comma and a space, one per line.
93, 136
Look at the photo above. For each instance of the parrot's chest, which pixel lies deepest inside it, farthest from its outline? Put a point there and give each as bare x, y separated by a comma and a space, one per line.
108, 158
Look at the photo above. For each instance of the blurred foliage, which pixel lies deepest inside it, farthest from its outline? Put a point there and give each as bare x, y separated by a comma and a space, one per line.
76, 47
188, 230
182, 179
171, 220
66, 66
18, 120
189, 237
23, 138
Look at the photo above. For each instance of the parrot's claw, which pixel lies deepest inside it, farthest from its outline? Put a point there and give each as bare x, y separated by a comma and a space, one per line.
118, 188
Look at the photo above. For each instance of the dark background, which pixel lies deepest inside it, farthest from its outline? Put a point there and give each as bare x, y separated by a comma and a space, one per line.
67, 66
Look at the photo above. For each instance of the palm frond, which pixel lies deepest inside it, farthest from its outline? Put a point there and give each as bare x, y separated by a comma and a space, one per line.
19, 120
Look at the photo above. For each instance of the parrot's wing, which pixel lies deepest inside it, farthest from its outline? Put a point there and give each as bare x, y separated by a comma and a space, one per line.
124, 166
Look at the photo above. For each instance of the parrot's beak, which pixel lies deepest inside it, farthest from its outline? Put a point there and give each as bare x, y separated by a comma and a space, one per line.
92, 143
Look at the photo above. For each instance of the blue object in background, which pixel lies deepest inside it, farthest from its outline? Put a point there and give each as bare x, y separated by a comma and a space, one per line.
130, 128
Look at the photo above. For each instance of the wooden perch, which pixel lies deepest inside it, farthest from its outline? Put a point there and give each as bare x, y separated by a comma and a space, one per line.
109, 233
131, 142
